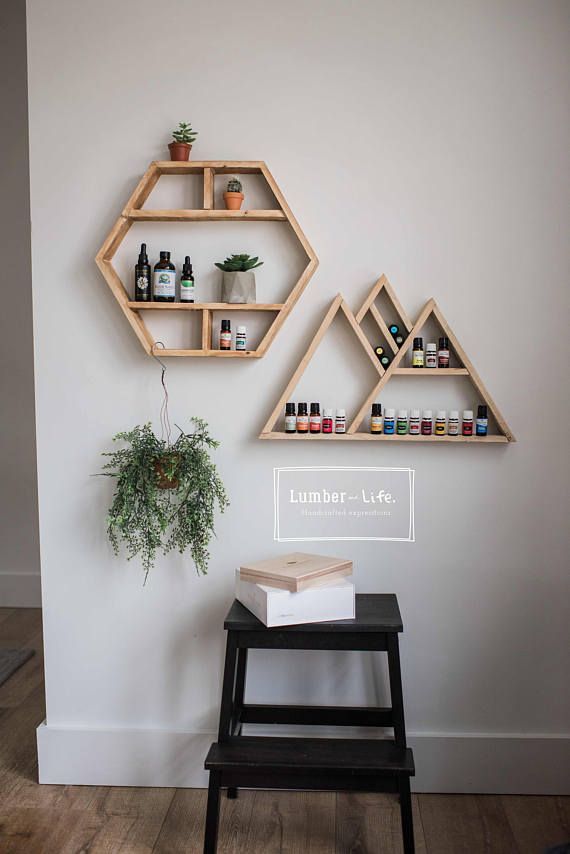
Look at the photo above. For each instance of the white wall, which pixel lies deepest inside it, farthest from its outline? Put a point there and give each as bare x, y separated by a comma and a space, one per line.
19, 546
428, 141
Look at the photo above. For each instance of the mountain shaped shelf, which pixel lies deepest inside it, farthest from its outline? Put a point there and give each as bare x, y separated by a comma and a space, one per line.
369, 307
133, 212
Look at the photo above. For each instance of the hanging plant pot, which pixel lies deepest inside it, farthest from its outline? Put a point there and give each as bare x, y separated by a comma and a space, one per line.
233, 201
238, 287
161, 466
180, 150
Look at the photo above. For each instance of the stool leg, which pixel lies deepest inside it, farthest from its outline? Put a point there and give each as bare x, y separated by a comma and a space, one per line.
238, 703
397, 699
406, 815
212, 814
227, 704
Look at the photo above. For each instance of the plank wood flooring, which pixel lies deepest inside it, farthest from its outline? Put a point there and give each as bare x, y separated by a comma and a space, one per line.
103, 820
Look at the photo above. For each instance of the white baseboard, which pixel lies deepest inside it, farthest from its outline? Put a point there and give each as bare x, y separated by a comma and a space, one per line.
20, 590
513, 764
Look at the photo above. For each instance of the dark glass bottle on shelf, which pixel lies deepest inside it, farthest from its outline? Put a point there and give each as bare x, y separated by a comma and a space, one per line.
164, 281
143, 292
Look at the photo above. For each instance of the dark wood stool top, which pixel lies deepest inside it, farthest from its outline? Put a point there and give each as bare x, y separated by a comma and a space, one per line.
375, 612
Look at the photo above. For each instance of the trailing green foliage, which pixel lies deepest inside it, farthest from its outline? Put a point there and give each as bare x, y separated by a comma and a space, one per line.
239, 264
184, 133
148, 517
234, 185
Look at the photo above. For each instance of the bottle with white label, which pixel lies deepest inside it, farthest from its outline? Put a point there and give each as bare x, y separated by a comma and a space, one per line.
415, 422
431, 356
340, 421
241, 338
453, 423
164, 279
187, 284
290, 418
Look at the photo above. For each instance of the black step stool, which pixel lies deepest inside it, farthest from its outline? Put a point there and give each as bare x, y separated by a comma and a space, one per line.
361, 765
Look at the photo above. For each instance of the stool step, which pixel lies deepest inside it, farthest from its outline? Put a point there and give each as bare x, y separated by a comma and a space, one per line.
310, 755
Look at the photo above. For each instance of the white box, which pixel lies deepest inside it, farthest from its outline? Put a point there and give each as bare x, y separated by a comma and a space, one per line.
276, 607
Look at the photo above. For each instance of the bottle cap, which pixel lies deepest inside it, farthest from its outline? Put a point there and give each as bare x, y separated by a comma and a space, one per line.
482, 411
389, 413
454, 414
432, 347
241, 330
418, 343
427, 414
441, 414
379, 350
415, 413
164, 256
226, 326
328, 413
402, 413
315, 407
394, 328
290, 409
340, 413
444, 343
376, 409
187, 268
399, 339
302, 409
143, 257
468, 414
385, 360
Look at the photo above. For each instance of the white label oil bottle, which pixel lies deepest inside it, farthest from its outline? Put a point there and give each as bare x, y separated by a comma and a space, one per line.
187, 284
164, 280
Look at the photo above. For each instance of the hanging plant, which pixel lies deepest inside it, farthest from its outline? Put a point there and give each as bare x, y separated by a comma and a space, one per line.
166, 494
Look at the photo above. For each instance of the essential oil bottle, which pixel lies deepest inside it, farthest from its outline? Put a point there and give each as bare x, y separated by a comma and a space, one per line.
376, 418
427, 422
290, 418
327, 426
187, 289
418, 353
415, 422
399, 339
302, 418
440, 422
241, 338
340, 421
142, 277
379, 351
385, 361
453, 423
431, 356
315, 418
467, 427
226, 335
482, 423
402, 422
394, 329
443, 353
164, 280
389, 422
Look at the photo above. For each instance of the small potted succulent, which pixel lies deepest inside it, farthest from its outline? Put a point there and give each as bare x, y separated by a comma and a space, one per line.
233, 197
238, 280
166, 494
183, 137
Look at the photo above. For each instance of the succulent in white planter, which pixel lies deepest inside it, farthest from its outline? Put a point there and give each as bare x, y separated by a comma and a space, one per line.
238, 279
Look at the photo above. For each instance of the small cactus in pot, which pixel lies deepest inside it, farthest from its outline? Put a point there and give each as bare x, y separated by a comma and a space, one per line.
233, 197
182, 139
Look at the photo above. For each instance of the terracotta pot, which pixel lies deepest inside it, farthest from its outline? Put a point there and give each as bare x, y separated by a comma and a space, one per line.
165, 482
233, 201
180, 150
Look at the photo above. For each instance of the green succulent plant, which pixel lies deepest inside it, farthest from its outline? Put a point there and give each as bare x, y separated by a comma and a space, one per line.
184, 133
234, 185
165, 496
239, 264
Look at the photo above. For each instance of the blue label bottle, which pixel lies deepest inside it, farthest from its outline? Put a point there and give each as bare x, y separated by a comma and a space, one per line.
389, 422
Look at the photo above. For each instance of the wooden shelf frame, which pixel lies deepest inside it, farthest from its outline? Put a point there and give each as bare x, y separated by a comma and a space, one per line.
133, 212
354, 431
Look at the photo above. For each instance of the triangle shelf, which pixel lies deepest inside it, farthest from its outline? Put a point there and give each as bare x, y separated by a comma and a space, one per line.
395, 368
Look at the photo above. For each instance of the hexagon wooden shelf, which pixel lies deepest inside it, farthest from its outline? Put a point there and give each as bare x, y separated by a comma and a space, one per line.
133, 213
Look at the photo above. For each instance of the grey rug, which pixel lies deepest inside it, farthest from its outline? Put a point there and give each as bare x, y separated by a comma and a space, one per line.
11, 660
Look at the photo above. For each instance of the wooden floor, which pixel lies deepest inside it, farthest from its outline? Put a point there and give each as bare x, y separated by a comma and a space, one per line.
102, 820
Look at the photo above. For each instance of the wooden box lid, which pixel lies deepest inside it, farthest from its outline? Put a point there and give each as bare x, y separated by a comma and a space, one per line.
296, 571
